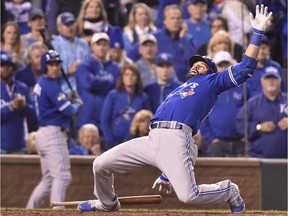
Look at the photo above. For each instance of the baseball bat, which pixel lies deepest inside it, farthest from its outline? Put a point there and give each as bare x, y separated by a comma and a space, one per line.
47, 41
145, 199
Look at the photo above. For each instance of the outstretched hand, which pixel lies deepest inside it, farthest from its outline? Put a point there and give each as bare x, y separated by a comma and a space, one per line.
261, 19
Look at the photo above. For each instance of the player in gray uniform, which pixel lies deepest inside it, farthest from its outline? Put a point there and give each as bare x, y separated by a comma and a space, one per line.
54, 118
169, 145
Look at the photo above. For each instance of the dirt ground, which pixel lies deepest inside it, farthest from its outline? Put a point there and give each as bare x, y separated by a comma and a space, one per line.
48, 212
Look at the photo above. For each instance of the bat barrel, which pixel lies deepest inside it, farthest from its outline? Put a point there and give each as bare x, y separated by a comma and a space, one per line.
145, 199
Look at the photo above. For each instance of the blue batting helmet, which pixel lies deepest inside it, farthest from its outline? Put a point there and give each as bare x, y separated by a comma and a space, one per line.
211, 64
6, 58
49, 56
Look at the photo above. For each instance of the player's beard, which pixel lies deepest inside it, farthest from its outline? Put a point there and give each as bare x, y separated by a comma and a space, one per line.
189, 74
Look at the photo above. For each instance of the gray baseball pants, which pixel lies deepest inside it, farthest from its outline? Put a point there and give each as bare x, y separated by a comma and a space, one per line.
51, 144
172, 151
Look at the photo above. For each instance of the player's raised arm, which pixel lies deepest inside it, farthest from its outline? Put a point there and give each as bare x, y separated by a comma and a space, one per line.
259, 24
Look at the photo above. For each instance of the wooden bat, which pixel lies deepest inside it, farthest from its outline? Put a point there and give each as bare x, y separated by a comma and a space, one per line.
145, 199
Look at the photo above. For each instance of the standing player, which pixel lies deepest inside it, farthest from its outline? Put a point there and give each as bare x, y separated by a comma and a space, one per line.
54, 118
169, 145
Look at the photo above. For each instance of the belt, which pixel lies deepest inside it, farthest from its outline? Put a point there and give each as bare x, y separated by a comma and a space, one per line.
167, 125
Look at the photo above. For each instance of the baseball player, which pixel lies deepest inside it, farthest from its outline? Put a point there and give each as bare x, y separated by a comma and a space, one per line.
54, 118
169, 145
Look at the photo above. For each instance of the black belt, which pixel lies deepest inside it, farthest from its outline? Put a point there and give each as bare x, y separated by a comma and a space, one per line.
166, 124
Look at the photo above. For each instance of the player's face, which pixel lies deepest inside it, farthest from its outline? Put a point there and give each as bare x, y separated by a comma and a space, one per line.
6, 72
53, 70
198, 68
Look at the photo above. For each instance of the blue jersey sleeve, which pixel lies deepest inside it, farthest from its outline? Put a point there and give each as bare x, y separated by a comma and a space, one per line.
57, 98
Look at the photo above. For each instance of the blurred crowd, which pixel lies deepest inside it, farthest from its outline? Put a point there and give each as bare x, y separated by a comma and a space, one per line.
124, 57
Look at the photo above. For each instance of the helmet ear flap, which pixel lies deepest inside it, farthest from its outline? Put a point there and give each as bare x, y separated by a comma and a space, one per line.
50, 56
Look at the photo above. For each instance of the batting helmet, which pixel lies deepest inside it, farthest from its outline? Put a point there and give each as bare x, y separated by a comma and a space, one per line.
50, 56
6, 58
211, 64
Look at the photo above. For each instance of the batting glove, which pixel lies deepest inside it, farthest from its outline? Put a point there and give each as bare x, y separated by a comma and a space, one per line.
163, 183
261, 18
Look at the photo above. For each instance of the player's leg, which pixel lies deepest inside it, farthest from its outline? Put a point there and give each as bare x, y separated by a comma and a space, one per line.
42, 190
123, 158
57, 161
179, 147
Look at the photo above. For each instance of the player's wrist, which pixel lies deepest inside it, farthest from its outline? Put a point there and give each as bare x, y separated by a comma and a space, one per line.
256, 37
163, 177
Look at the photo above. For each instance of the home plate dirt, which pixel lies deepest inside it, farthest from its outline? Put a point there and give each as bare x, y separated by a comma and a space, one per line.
70, 212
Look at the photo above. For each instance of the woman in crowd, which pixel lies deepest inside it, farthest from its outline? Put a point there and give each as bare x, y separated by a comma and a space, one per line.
221, 41
121, 104
140, 23
140, 124
11, 42
92, 18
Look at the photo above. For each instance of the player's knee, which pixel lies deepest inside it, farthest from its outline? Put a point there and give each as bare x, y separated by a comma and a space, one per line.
185, 198
98, 165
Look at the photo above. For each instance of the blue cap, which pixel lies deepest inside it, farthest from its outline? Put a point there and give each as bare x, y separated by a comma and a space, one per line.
6, 58
271, 71
36, 13
164, 58
67, 18
196, 1
116, 41
208, 61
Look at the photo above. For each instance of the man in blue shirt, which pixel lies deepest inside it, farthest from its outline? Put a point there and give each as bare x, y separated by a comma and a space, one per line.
169, 145
72, 49
157, 91
16, 106
267, 115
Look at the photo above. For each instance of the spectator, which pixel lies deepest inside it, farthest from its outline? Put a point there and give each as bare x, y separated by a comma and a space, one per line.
95, 77
198, 23
92, 18
221, 41
174, 41
36, 21
140, 124
237, 15
121, 105
162, 5
20, 10
265, 64
221, 138
15, 107
11, 43
146, 64
32, 72
267, 119
117, 52
73, 49
217, 24
88, 137
160, 89
140, 23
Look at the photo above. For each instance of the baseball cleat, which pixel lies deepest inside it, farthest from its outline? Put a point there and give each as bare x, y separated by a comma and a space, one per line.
87, 206
95, 205
238, 205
